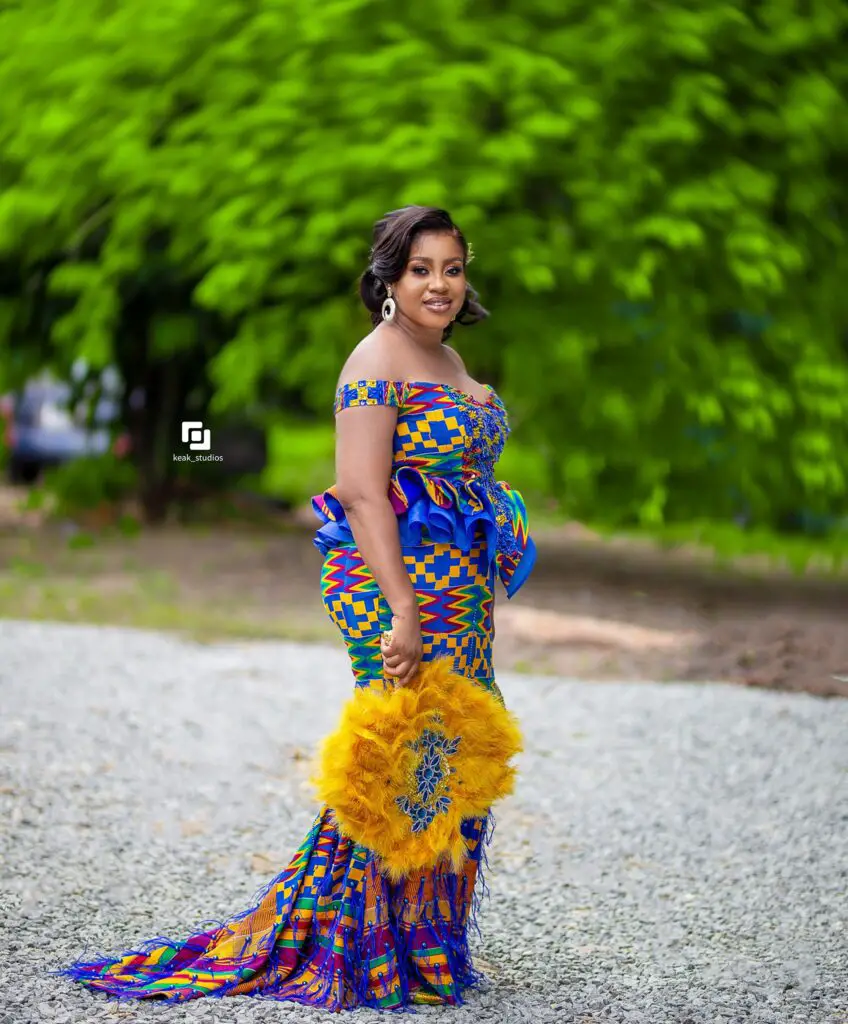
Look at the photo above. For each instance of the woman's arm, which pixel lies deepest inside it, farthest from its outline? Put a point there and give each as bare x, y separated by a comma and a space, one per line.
364, 437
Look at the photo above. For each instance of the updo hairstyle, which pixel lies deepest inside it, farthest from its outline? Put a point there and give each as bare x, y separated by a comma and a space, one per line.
394, 235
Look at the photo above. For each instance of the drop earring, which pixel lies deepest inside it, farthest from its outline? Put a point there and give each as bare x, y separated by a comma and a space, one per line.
389, 306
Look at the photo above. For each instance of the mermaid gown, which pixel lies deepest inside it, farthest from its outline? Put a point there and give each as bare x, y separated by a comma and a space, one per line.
330, 930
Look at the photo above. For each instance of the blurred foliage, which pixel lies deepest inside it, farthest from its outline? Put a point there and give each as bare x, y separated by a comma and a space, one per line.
822, 556
301, 460
655, 193
86, 483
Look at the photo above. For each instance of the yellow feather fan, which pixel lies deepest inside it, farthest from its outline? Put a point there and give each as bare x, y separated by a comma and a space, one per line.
406, 766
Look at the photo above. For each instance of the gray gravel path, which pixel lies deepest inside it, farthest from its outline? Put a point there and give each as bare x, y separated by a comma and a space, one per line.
672, 854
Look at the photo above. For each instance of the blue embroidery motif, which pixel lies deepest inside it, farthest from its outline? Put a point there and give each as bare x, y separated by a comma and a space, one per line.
431, 774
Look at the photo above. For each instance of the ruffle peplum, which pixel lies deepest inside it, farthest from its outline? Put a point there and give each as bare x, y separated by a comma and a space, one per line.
444, 510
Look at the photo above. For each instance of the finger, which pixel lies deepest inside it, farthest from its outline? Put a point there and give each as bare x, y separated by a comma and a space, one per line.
396, 670
411, 673
404, 669
406, 677
398, 655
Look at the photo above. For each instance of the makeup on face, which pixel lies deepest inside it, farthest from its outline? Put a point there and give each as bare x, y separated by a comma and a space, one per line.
434, 279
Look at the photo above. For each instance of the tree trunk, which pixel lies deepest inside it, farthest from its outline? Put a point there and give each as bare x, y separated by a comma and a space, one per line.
154, 401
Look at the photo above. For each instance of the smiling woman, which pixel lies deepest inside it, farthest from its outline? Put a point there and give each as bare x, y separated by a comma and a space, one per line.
416, 276
414, 532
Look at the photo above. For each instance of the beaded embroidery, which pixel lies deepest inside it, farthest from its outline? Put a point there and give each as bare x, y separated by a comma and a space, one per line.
428, 783
487, 431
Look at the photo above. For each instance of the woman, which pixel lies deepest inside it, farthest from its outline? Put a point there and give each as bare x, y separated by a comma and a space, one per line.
414, 531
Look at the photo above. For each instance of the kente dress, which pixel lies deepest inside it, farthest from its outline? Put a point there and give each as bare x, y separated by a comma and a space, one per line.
330, 930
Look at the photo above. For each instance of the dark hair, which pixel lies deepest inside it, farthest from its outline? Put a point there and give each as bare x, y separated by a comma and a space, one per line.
393, 237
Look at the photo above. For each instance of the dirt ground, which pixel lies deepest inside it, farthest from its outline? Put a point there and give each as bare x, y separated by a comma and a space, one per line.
598, 610
626, 612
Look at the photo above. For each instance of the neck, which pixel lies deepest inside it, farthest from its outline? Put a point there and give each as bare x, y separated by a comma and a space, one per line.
423, 337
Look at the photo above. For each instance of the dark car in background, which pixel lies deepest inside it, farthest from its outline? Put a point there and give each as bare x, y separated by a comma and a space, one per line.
42, 430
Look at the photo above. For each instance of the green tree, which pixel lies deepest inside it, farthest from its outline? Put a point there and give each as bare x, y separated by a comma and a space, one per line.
187, 189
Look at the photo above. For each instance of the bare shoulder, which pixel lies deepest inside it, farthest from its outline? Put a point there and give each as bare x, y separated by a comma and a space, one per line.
455, 358
373, 359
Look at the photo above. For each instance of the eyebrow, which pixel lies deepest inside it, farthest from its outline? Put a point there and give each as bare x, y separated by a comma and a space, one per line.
426, 259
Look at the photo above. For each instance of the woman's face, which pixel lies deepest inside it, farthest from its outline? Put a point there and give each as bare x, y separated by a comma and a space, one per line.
431, 290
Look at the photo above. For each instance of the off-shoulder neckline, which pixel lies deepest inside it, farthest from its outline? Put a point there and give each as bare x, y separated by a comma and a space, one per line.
452, 389
491, 396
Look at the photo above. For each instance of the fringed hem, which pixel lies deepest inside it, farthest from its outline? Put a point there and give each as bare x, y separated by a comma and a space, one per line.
388, 956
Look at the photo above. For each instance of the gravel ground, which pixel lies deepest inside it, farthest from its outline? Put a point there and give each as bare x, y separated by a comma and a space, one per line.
673, 853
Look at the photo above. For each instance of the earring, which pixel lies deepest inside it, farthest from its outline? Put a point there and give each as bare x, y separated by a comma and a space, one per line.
389, 306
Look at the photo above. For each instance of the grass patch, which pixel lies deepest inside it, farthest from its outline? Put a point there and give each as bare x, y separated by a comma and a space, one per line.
25, 568
149, 602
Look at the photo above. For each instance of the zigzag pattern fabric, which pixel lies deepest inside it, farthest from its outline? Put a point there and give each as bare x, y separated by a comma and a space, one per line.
442, 486
455, 591
330, 930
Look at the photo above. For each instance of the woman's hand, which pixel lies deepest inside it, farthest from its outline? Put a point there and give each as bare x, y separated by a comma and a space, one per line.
401, 648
